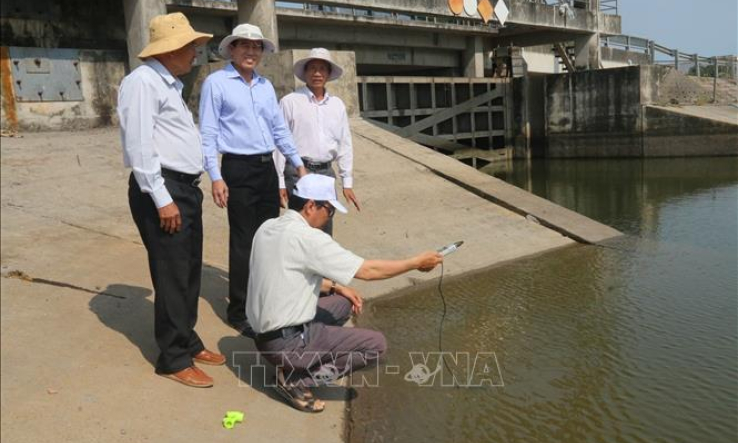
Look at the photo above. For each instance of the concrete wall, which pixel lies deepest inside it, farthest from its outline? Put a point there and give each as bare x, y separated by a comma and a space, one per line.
614, 57
594, 113
541, 59
607, 113
101, 71
528, 117
63, 24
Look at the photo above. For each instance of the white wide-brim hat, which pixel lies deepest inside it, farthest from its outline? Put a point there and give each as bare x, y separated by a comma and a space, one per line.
317, 54
244, 32
319, 187
169, 33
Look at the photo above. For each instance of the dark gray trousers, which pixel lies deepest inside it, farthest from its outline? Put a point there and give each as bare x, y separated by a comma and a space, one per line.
325, 344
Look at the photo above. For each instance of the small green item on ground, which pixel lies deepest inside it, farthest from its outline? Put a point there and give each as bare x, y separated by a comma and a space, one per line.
231, 418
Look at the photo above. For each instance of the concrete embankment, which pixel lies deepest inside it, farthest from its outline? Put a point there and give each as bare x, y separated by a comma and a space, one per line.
77, 322
638, 111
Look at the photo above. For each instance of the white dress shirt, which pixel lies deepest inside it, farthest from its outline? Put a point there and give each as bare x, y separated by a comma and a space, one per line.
289, 260
321, 132
157, 129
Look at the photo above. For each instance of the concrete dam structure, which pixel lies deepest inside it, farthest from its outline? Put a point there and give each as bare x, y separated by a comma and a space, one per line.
473, 90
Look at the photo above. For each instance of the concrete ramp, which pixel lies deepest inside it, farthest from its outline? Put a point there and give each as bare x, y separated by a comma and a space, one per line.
416, 198
723, 114
672, 131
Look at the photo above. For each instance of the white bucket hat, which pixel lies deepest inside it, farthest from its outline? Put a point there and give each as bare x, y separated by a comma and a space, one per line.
244, 32
319, 187
317, 54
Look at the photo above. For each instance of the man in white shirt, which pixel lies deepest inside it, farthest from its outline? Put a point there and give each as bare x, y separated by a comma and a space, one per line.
320, 127
292, 263
161, 144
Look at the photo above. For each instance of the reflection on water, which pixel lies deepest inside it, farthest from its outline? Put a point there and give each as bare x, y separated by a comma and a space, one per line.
636, 342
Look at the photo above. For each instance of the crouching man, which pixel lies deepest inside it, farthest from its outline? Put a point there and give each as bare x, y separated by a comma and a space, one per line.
292, 263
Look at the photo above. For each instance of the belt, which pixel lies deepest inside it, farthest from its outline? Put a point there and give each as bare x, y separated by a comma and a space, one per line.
188, 179
261, 158
309, 164
286, 333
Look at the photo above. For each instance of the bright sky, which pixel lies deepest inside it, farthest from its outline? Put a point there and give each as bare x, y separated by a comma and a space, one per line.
708, 27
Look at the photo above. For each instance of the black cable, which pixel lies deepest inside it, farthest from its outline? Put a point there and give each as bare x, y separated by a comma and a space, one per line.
440, 329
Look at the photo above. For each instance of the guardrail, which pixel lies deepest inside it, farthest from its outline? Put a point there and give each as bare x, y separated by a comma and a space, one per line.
693, 64
606, 6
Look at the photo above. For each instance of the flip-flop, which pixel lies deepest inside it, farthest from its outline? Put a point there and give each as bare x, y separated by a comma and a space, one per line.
299, 398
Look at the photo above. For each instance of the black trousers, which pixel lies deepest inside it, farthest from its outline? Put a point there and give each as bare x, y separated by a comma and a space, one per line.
253, 198
175, 263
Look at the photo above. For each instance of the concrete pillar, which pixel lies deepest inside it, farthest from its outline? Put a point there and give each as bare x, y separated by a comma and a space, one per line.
696, 65
474, 57
676, 59
261, 13
715, 79
138, 14
587, 51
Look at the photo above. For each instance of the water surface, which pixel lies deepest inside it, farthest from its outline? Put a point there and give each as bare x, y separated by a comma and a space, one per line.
633, 342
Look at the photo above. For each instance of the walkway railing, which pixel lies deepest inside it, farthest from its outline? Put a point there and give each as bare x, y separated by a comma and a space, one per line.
606, 6
691, 64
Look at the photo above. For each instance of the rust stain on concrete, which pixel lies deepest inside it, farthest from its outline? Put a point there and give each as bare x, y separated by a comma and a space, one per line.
6, 77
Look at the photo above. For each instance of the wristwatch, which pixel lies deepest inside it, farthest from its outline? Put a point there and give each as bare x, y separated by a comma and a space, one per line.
332, 291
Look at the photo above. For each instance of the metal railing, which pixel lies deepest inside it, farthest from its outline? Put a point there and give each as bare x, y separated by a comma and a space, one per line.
606, 6
609, 6
691, 64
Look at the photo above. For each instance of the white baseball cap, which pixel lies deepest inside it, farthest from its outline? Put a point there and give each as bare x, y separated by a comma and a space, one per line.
319, 187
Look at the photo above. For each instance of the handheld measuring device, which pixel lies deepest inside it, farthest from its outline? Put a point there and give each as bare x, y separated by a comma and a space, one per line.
448, 249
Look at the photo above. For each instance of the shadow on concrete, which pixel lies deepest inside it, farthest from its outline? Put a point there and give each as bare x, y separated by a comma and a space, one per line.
130, 311
214, 290
251, 370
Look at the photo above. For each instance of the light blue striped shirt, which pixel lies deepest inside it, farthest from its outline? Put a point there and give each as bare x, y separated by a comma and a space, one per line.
241, 118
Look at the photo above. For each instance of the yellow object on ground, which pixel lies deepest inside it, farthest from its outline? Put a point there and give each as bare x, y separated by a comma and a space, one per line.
231, 418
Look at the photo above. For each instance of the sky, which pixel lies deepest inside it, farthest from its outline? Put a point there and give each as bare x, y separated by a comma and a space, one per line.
707, 27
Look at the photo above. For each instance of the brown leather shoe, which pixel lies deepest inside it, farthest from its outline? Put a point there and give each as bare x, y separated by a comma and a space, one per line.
191, 377
206, 357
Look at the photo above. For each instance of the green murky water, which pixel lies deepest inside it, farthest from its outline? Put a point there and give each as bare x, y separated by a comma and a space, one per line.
637, 342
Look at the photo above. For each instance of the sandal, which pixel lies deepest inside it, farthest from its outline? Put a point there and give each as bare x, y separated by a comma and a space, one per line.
300, 398
306, 393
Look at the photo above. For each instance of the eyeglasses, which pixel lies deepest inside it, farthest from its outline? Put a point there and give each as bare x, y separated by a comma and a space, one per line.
331, 210
246, 44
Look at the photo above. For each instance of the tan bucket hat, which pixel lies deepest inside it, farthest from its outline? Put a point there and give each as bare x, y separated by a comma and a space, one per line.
244, 31
170, 32
317, 54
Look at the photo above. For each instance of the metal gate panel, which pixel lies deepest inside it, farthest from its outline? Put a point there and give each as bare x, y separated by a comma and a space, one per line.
46, 74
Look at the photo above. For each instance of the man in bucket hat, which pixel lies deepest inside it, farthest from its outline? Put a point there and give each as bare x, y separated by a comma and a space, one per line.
319, 124
292, 264
240, 118
161, 145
